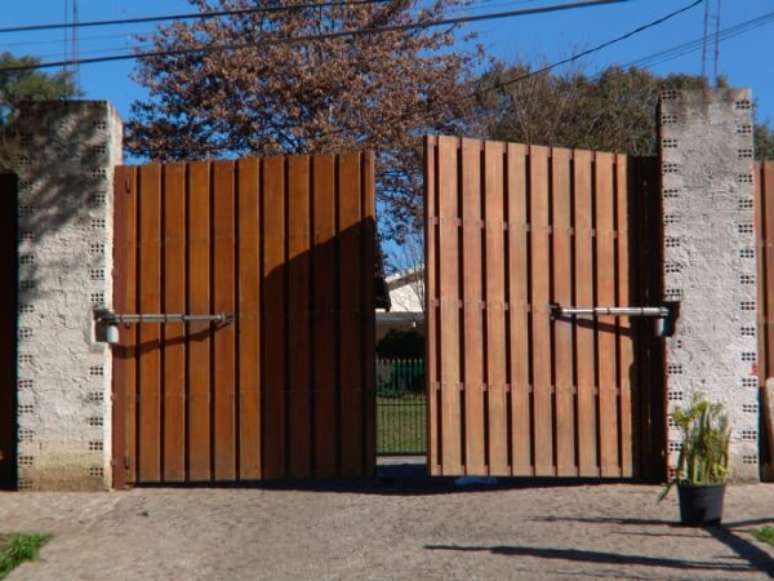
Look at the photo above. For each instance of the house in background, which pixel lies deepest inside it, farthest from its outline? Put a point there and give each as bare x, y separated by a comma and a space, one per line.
405, 309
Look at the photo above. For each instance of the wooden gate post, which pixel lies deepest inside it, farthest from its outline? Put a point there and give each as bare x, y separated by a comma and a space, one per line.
65, 173
706, 147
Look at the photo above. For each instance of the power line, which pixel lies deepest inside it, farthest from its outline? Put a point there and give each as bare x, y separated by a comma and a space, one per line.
696, 44
599, 47
184, 16
324, 36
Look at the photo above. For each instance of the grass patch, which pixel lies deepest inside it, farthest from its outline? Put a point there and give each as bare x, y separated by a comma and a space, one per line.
15, 549
401, 425
765, 535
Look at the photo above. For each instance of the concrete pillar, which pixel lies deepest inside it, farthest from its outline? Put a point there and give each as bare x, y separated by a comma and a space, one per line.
68, 151
706, 149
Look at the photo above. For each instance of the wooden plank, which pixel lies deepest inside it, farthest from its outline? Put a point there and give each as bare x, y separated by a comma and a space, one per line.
431, 308
518, 297
563, 328
199, 334
760, 271
368, 315
10, 296
149, 396
125, 352
451, 437
626, 369
273, 316
495, 308
350, 347
324, 301
298, 312
606, 331
224, 336
541, 328
174, 333
768, 253
249, 340
584, 295
472, 315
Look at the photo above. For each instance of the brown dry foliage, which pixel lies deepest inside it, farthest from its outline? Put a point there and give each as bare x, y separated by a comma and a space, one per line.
380, 91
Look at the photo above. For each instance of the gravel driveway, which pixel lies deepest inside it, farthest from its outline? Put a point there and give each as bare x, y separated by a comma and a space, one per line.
387, 530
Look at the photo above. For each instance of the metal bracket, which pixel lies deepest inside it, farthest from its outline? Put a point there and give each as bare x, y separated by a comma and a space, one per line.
666, 314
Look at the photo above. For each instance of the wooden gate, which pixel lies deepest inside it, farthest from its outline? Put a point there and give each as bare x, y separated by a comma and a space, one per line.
285, 390
511, 229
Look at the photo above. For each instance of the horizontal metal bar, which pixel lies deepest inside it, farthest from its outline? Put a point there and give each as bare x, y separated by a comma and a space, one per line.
659, 312
163, 318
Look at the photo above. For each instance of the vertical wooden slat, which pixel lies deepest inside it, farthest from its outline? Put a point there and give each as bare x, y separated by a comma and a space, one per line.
125, 301
174, 333
298, 314
9, 296
625, 327
563, 340
199, 332
149, 397
273, 315
350, 347
249, 340
472, 332
224, 336
495, 308
541, 331
451, 452
324, 348
518, 286
606, 333
431, 309
760, 271
767, 180
368, 314
584, 295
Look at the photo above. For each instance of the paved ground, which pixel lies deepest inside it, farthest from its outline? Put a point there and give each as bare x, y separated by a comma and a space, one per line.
391, 530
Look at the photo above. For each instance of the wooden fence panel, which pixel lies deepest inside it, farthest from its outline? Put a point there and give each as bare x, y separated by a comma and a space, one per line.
528, 226
285, 387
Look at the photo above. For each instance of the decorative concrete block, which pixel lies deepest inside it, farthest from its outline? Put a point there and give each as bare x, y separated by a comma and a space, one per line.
709, 260
69, 149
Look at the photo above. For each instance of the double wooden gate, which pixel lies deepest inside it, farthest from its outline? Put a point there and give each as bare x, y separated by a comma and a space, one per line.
285, 389
286, 246
511, 229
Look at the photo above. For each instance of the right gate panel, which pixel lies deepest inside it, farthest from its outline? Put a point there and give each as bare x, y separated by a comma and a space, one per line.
511, 229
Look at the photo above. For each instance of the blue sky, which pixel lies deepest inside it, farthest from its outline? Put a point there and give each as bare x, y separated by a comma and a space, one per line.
540, 38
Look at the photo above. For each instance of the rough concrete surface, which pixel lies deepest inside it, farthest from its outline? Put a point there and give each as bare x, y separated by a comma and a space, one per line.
707, 189
65, 263
388, 531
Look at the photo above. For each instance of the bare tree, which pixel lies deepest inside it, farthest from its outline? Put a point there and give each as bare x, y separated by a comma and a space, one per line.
379, 90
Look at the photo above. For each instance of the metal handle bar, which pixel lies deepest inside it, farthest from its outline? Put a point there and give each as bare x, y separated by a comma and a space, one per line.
659, 312
135, 318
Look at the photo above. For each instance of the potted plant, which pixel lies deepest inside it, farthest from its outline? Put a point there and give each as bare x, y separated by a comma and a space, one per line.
702, 466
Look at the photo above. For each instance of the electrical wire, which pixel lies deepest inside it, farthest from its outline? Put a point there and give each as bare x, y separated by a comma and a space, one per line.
597, 48
317, 37
694, 45
185, 16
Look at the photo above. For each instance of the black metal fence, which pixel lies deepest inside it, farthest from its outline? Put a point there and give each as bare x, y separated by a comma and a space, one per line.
400, 407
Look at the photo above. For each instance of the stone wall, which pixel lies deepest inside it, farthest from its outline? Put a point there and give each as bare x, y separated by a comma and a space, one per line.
65, 224
709, 260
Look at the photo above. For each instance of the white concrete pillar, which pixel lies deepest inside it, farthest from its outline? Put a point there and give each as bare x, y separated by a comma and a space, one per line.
706, 149
65, 169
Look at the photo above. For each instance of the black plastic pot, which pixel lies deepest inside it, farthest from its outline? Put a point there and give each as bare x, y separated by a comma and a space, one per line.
701, 505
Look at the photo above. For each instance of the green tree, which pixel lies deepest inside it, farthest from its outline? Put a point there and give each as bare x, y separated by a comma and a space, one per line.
612, 111
18, 86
